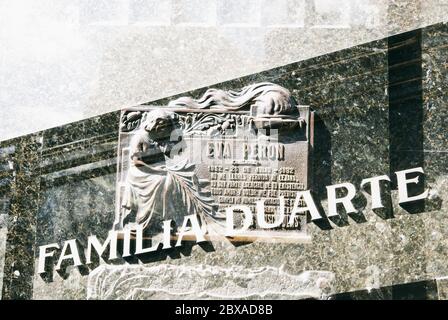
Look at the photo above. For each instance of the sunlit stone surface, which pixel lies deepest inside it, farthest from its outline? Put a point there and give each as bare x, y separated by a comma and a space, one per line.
63, 61
60, 183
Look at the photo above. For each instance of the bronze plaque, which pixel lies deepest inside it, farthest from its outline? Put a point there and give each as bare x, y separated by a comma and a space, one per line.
226, 149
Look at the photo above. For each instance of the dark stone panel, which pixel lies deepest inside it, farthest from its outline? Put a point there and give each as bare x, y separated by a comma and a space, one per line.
404, 47
81, 130
376, 113
78, 182
435, 164
78, 168
19, 253
435, 36
61, 187
76, 209
405, 69
435, 62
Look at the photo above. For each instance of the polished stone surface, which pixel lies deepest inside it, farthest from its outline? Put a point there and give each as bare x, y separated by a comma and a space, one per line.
354, 93
22, 191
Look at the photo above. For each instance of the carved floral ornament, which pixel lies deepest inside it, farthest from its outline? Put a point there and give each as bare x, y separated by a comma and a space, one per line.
230, 165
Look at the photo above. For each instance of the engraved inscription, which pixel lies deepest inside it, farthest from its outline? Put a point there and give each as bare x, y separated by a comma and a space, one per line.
245, 185
247, 148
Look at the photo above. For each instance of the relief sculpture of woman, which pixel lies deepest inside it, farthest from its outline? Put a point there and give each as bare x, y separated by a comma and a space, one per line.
160, 186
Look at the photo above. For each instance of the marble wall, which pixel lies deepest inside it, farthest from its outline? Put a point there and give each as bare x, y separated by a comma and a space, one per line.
65, 60
62, 186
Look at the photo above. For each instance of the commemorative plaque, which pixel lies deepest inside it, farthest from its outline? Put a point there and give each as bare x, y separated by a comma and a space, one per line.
233, 159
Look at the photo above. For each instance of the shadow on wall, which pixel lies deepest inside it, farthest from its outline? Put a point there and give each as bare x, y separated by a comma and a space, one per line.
406, 109
405, 89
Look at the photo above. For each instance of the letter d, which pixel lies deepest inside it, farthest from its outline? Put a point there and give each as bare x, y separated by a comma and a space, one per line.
230, 231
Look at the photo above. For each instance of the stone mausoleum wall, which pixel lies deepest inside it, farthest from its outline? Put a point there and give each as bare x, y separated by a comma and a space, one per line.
381, 107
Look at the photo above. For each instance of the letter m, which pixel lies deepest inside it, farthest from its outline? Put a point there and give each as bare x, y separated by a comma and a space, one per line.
100, 248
